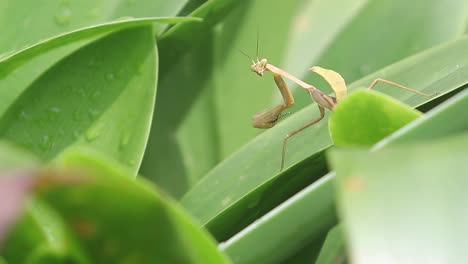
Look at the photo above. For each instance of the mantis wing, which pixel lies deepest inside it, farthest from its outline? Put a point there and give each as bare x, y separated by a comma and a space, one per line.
335, 80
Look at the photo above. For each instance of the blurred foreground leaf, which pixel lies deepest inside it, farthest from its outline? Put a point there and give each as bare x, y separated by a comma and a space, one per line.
333, 249
145, 226
397, 207
365, 117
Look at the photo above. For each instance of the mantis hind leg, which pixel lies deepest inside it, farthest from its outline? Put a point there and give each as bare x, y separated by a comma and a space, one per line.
292, 133
397, 85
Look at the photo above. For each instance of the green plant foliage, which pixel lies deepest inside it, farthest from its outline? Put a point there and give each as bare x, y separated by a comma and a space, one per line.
41, 236
101, 96
12, 157
144, 226
218, 200
38, 230
401, 226
95, 94
11, 62
333, 250
313, 212
365, 117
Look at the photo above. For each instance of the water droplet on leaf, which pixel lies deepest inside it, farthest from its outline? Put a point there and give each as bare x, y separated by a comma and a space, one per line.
94, 131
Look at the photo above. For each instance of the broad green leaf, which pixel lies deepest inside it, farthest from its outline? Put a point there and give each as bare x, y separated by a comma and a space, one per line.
38, 234
298, 216
41, 20
307, 254
101, 96
41, 236
12, 157
168, 161
395, 205
181, 148
333, 250
180, 38
430, 126
62, 16
366, 117
145, 226
445, 120
11, 62
246, 175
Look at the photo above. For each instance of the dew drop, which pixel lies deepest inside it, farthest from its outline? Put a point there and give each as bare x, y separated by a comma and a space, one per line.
110, 76
53, 113
23, 115
94, 13
95, 95
124, 140
254, 201
45, 143
91, 63
63, 16
55, 110
94, 131
93, 112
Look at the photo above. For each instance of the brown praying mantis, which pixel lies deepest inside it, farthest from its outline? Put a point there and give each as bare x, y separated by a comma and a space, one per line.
269, 117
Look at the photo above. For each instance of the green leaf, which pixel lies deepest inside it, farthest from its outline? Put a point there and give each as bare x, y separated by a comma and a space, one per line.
183, 142
333, 250
36, 26
246, 175
11, 62
39, 20
443, 121
365, 117
299, 220
41, 236
101, 96
144, 227
38, 234
12, 157
395, 206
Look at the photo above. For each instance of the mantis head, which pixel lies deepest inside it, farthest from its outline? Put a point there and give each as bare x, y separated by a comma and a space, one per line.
259, 67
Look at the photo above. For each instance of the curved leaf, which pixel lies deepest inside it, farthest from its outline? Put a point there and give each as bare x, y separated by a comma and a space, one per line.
66, 16
408, 206
366, 117
101, 96
9, 63
144, 227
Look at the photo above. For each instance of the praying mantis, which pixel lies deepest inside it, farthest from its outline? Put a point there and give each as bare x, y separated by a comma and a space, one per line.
269, 117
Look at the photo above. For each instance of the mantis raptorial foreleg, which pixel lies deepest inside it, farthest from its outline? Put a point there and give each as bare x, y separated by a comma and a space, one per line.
268, 118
